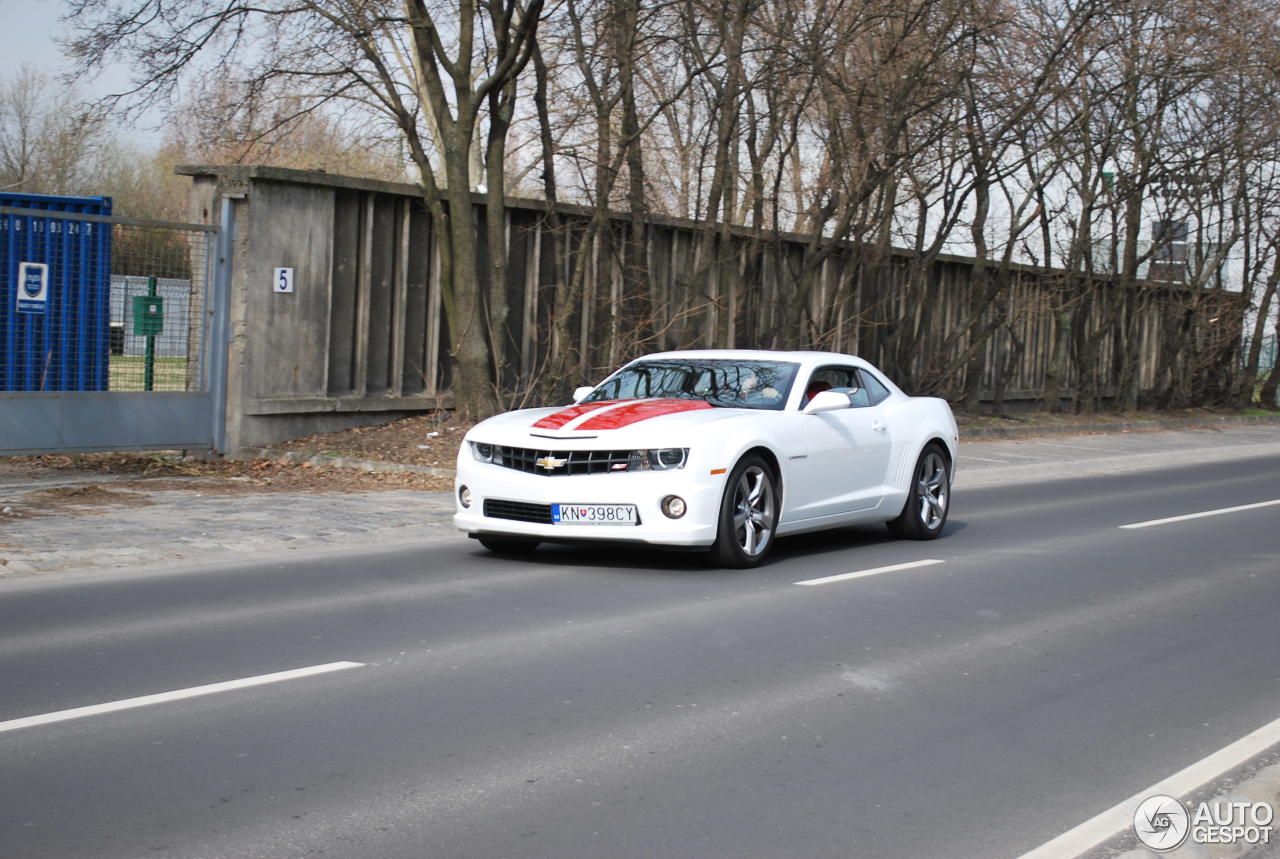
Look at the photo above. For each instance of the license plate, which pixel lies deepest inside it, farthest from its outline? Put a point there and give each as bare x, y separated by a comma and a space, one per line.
594, 514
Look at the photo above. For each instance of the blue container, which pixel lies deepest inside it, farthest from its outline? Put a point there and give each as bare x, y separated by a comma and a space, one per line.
55, 294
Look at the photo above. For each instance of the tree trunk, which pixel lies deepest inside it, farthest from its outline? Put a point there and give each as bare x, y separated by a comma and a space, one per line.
1249, 376
474, 396
501, 109
1267, 396
1055, 374
561, 373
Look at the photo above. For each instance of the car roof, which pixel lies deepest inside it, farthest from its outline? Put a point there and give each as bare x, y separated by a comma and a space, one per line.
808, 360
808, 357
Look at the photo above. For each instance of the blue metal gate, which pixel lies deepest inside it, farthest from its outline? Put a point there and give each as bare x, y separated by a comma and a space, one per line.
105, 329
54, 291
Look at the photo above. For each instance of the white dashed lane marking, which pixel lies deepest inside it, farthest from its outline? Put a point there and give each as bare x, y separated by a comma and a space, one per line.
1219, 512
875, 571
176, 695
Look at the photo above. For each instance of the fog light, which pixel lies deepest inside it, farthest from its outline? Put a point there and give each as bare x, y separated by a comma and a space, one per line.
673, 506
464, 497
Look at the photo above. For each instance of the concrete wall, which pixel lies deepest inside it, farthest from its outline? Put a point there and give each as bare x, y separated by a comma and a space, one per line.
343, 349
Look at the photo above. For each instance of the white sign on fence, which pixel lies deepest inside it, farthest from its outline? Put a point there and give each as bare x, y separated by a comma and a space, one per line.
33, 287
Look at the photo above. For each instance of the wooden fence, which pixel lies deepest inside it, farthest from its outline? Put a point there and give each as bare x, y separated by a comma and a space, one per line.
372, 332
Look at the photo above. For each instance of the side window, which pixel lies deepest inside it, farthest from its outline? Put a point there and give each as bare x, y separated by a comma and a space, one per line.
858, 397
841, 379
862, 387
874, 388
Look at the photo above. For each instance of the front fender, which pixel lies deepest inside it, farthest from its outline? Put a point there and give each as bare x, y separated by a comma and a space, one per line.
777, 437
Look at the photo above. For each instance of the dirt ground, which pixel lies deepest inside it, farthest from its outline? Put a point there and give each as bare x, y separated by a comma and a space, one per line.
425, 440
406, 441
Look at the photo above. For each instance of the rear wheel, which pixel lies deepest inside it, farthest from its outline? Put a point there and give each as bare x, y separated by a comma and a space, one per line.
508, 545
748, 515
929, 501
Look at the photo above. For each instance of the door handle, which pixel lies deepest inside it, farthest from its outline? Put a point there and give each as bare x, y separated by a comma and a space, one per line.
879, 426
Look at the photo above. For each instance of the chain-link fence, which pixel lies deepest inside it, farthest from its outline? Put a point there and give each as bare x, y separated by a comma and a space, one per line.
157, 298
94, 303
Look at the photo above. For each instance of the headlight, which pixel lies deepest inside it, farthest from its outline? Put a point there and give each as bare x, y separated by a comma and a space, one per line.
482, 452
668, 457
661, 459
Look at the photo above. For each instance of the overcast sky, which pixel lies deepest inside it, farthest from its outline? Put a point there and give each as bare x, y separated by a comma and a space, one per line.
27, 35
28, 32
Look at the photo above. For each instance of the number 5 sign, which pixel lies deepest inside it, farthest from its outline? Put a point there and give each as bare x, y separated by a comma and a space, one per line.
283, 281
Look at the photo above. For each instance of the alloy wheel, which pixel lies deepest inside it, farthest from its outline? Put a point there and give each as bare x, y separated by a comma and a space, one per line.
932, 490
753, 506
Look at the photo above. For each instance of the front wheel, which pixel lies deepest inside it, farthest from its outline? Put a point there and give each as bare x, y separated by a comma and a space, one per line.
748, 515
508, 545
929, 501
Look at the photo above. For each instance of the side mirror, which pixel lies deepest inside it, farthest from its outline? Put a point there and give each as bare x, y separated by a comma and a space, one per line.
827, 401
580, 393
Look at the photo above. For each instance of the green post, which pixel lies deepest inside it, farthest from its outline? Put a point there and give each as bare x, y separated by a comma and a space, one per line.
148, 322
149, 365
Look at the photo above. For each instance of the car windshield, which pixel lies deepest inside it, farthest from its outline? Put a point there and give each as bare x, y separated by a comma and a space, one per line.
740, 384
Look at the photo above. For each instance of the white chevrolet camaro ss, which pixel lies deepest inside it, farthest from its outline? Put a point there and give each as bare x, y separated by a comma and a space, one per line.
717, 449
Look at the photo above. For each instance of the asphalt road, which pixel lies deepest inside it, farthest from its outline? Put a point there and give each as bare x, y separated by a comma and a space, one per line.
615, 702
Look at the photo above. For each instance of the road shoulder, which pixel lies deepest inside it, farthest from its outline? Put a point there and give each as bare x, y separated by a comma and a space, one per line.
55, 520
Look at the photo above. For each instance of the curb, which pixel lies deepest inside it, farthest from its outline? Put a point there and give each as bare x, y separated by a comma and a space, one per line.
319, 461
1209, 422
977, 433
970, 476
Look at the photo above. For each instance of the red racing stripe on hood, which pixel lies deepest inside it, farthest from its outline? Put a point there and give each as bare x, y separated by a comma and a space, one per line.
640, 410
564, 416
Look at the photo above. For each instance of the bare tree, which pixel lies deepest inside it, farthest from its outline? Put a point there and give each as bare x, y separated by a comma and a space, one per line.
886, 133
214, 124
427, 72
50, 142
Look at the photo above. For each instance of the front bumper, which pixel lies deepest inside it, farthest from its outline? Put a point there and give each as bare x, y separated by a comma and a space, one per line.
701, 493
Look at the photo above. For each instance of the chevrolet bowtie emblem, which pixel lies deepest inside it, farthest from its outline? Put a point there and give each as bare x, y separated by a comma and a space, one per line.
550, 463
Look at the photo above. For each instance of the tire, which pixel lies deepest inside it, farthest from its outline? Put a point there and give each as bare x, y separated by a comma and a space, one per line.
748, 522
508, 545
929, 501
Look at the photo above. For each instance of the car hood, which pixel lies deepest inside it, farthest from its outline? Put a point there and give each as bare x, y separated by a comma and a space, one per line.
613, 424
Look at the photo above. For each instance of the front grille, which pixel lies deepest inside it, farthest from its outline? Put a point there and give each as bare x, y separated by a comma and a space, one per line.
520, 511
575, 461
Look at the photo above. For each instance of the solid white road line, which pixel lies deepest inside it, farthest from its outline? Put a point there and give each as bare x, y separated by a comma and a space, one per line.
842, 577
177, 695
1202, 515
1118, 818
